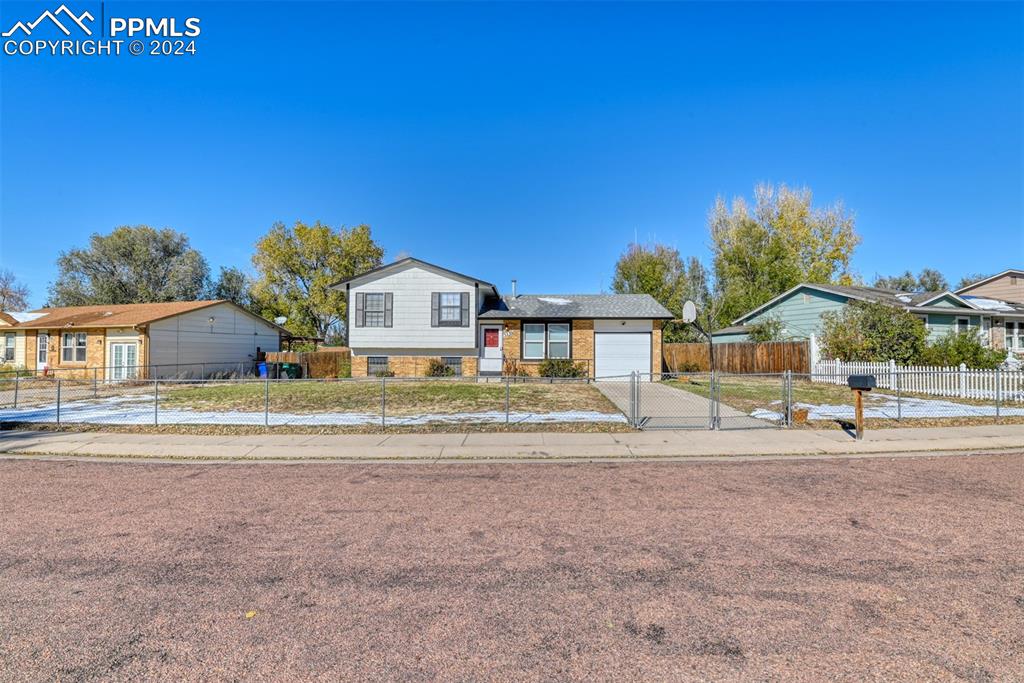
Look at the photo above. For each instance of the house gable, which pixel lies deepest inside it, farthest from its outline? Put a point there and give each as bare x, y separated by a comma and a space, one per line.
800, 310
1006, 286
411, 285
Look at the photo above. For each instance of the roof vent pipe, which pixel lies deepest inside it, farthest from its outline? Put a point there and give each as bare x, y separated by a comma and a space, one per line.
513, 289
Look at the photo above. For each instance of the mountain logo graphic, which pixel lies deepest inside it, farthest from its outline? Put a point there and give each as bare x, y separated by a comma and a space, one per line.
27, 28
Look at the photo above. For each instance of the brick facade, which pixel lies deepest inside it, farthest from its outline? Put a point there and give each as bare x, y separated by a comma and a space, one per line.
582, 344
410, 366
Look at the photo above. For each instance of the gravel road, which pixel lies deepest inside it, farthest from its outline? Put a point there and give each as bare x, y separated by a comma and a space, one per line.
843, 570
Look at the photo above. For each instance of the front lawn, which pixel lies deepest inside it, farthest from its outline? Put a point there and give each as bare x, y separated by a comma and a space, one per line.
832, 403
402, 397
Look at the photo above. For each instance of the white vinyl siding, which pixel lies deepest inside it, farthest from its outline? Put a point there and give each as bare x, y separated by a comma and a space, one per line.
412, 288
192, 339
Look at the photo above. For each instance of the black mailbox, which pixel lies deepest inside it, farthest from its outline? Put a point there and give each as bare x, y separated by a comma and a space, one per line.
862, 382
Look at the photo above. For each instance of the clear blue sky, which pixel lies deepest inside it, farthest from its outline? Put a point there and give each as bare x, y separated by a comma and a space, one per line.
525, 140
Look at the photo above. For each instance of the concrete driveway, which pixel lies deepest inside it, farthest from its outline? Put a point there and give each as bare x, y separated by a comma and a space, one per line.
665, 407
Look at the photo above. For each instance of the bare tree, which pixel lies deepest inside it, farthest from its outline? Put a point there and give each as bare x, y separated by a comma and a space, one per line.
13, 296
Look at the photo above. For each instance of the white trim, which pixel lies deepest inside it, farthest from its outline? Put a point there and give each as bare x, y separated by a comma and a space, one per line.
944, 294
820, 288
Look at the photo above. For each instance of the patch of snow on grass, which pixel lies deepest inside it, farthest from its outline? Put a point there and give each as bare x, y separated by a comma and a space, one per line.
126, 410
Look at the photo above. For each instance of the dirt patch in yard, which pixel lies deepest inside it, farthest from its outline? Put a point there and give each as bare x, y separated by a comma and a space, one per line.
799, 571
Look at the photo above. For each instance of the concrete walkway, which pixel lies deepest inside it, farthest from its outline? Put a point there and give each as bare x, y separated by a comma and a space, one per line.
517, 446
666, 407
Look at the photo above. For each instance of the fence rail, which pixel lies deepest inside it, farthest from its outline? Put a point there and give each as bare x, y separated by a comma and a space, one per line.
953, 382
109, 373
739, 357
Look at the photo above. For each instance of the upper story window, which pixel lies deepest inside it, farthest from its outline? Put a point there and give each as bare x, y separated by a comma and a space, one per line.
373, 309
449, 309
72, 347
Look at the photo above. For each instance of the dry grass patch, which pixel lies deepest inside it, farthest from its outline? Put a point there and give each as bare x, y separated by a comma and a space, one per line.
402, 397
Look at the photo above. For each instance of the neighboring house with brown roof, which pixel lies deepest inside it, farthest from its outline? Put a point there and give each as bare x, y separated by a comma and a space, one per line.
135, 340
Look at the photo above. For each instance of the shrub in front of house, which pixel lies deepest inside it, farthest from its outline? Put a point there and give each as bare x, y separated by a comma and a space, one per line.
561, 367
437, 368
873, 332
384, 373
962, 347
768, 329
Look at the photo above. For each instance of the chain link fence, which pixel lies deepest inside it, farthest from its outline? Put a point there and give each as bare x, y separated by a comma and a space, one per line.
368, 402
701, 400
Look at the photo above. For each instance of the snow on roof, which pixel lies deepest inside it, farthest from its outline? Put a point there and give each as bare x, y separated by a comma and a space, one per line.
23, 317
988, 304
558, 301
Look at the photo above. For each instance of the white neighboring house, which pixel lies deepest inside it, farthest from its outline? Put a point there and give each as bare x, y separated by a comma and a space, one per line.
404, 315
136, 340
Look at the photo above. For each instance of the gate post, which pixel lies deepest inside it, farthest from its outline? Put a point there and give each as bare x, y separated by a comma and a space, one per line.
508, 395
383, 401
266, 401
156, 402
711, 401
999, 392
16, 378
58, 402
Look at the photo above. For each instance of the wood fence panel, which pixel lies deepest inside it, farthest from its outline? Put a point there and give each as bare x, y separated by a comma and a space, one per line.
739, 357
315, 364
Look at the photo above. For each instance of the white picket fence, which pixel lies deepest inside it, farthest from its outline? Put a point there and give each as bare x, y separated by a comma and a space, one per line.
959, 382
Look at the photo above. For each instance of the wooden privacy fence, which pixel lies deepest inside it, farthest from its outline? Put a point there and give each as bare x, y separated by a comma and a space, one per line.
316, 364
739, 357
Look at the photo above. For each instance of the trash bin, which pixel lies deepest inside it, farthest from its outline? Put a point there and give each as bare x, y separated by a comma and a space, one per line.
273, 370
261, 370
291, 370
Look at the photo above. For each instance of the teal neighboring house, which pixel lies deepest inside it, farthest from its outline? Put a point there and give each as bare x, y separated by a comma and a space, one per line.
999, 323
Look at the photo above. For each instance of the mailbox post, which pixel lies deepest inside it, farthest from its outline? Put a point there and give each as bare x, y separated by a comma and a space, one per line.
860, 384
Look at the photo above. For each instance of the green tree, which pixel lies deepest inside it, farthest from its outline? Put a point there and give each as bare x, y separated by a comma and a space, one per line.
233, 285
768, 329
872, 332
659, 270
296, 265
971, 279
13, 295
928, 280
133, 264
761, 251
962, 347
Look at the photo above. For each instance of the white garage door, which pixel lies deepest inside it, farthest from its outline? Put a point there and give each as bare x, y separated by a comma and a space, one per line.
620, 353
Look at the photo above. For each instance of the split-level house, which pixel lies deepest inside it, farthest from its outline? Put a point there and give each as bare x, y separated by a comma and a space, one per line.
402, 315
993, 307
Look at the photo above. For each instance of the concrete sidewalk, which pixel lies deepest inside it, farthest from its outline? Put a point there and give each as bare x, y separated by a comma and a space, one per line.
516, 446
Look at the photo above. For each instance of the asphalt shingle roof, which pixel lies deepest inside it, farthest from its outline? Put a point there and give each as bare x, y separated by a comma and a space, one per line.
576, 306
112, 315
